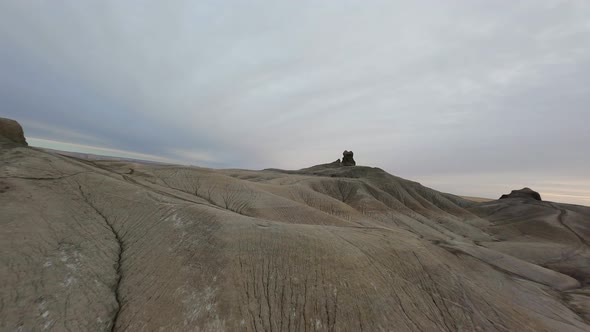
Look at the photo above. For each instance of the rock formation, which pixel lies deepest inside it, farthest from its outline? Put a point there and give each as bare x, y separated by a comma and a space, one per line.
12, 131
347, 159
523, 193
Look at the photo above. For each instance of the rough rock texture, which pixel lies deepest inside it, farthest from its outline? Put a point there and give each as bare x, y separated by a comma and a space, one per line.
12, 131
123, 246
347, 158
523, 193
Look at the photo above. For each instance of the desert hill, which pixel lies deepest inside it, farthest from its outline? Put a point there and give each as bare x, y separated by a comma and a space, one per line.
99, 245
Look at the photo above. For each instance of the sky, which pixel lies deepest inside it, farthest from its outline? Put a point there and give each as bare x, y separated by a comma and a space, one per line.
470, 97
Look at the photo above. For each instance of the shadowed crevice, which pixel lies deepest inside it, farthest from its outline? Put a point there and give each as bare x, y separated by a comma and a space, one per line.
120, 249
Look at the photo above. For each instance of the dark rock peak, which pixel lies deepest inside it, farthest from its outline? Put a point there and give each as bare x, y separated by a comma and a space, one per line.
12, 131
347, 158
523, 193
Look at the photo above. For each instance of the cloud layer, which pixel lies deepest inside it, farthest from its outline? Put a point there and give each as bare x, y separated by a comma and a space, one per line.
434, 91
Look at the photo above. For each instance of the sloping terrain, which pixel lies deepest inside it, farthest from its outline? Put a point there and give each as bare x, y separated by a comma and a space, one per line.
120, 246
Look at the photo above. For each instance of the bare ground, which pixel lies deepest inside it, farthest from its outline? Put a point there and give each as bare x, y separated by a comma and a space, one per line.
120, 246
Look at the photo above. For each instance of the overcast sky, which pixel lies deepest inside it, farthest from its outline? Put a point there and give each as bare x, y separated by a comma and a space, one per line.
470, 97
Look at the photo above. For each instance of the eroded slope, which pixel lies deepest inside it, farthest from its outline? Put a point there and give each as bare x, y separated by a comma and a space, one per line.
125, 246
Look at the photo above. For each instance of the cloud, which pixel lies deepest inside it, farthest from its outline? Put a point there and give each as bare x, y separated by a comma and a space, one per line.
48, 131
193, 157
422, 89
65, 146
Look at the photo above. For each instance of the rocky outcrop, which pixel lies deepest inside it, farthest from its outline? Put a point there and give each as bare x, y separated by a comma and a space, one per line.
347, 158
523, 193
12, 131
